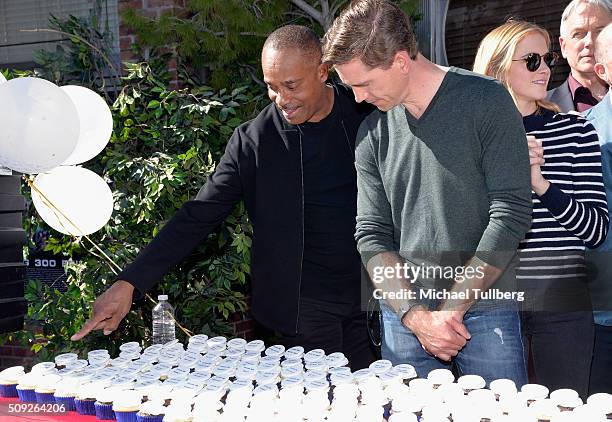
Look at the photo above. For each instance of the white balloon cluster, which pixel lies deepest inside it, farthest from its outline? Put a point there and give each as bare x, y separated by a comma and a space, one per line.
47, 130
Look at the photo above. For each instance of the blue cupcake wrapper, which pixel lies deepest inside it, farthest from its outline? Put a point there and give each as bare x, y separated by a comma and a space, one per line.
85, 407
27, 396
8, 390
149, 418
126, 416
42, 398
67, 402
105, 412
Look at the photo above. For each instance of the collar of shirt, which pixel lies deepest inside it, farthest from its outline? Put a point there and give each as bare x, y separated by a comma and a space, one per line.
581, 95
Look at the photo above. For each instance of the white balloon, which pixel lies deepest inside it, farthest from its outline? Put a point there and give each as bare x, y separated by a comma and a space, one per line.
39, 125
2, 78
80, 194
96, 123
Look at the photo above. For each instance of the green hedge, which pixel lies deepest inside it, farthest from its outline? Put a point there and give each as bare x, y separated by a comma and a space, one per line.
164, 145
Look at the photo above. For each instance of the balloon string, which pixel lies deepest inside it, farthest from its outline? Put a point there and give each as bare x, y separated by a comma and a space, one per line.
114, 267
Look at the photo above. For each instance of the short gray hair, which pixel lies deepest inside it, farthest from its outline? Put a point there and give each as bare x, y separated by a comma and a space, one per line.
602, 48
569, 9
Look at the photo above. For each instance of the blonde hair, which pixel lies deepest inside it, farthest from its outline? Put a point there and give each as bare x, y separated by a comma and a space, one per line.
495, 52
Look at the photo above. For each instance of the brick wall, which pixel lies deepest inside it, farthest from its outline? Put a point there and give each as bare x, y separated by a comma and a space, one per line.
152, 9
14, 355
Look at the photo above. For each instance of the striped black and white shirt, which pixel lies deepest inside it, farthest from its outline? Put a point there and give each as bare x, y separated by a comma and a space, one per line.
572, 215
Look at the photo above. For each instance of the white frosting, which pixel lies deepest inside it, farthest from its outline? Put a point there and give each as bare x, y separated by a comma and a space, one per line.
127, 400
471, 382
602, 401
534, 391
441, 376
152, 407
12, 375
503, 387
43, 368
89, 391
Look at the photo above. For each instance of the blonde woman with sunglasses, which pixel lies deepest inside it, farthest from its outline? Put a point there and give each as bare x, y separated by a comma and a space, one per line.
569, 208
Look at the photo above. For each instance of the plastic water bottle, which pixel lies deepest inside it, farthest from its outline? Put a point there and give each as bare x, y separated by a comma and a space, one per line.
163, 324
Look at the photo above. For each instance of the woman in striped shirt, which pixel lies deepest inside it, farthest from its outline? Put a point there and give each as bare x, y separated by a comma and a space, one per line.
569, 208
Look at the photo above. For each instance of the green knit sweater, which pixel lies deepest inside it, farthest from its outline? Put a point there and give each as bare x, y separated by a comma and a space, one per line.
450, 185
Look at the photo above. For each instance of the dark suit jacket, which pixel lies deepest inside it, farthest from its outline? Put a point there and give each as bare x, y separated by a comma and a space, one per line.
562, 96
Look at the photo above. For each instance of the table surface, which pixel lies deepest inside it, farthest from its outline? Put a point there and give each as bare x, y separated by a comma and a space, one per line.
22, 417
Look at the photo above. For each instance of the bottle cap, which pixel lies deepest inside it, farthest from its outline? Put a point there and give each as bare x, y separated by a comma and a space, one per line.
162, 297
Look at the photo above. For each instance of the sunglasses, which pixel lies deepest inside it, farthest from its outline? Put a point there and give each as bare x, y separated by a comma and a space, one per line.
534, 60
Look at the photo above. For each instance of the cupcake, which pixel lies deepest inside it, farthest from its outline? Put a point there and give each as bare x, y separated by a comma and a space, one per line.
86, 398
126, 406
9, 378
471, 382
104, 403
566, 399
27, 385
151, 411
178, 413
45, 389
534, 392
440, 377
602, 401
65, 394
503, 387
161, 392
407, 372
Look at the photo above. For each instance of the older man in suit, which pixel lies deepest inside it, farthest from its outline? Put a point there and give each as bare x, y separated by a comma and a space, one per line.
601, 118
581, 22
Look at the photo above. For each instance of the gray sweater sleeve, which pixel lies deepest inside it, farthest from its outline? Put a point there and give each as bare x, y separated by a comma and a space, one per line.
374, 231
505, 164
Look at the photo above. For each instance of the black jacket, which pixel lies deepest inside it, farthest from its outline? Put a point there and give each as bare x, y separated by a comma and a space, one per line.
262, 165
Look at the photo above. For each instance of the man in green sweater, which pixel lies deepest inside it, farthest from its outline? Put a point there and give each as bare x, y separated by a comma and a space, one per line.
444, 197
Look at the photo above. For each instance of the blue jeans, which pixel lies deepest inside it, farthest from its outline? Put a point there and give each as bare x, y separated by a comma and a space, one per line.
494, 351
